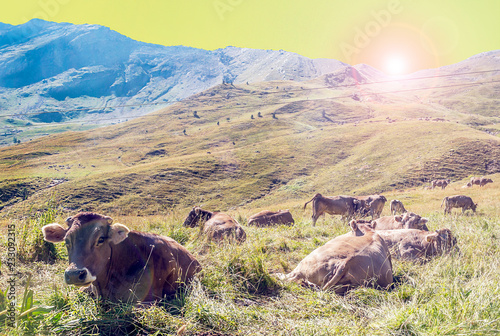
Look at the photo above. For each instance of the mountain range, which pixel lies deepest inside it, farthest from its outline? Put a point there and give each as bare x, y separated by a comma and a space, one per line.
51, 67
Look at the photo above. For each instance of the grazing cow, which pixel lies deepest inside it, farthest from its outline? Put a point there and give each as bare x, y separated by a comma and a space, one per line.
440, 183
119, 264
345, 206
345, 262
409, 220
217, 226
484, 181
266, 218
373, 205
397, 206
480, 181
458, 201
415, 244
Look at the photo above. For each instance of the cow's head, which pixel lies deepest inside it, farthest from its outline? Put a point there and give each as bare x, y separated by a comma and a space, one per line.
196, 215
360, 227
441, 241
411, 220
474, 206
89, 239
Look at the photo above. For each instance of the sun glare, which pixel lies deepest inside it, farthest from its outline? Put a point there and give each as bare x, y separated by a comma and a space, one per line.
395, 66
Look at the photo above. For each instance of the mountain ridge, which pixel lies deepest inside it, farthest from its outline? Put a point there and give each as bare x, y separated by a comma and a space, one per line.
46, 66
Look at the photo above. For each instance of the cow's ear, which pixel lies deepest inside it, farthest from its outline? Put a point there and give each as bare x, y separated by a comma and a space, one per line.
432, 237
353, 225
373, 225
54, 233
118, 233
197, 210
398, 218
109, 220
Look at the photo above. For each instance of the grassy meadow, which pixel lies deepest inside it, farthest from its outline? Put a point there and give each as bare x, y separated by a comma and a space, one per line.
242, 149
238, 292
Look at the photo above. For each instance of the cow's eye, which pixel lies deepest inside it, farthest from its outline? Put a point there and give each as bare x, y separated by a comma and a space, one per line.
101, 240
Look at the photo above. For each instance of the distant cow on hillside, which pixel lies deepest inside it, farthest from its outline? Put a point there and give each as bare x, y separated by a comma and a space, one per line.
440, 183
217, 226
480, 181
458, 201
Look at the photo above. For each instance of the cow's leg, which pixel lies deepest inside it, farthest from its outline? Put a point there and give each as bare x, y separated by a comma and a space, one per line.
314, 219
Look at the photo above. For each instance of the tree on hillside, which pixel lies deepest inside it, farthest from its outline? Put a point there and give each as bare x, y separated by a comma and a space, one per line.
195, 114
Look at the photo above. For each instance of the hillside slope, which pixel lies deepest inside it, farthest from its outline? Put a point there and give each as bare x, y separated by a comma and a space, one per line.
241, 146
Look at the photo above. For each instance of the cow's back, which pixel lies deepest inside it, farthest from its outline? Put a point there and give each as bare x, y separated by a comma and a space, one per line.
152, 264
346, 261
388, 223
222, 226
267, 217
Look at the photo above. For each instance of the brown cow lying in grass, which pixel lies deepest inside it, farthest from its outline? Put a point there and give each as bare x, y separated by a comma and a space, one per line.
359, 258
420, 245
266, 218
409, 220
119, 264
217, 226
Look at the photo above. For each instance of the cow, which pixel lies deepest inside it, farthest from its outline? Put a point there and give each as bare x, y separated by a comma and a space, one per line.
347, 261
480, 181
475, 180
266, 218
345, 206
397, 206
373, 205
413, 244
458, 201
484, 181
409, 220
120, 264
440, 183
217, 225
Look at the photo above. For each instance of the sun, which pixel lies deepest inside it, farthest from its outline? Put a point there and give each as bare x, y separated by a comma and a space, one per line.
396, 65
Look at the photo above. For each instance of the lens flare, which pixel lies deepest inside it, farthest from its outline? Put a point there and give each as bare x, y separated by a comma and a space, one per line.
396, 65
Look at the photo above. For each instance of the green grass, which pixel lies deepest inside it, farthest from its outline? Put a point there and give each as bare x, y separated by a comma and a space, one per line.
238, 292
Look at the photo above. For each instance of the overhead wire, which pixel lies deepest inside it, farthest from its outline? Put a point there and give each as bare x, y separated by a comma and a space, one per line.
83, 121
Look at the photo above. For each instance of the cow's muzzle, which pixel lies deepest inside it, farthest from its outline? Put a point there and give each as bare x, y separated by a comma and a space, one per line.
78, 277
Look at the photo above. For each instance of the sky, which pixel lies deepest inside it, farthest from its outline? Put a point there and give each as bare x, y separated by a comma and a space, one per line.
395, 36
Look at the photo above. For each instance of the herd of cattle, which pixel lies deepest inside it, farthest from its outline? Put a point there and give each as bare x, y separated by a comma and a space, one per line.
118, 264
